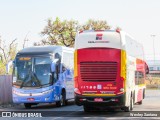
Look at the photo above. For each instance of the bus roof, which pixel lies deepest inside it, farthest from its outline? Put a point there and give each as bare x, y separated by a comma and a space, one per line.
42, 49
101, 38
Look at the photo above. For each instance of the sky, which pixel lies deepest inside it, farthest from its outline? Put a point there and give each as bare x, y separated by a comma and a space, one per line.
139, 18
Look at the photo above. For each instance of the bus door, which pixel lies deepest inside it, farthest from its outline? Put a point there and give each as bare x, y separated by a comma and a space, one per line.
55, 70
67, 76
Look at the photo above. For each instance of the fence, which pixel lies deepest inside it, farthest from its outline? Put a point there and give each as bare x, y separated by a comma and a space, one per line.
5, 89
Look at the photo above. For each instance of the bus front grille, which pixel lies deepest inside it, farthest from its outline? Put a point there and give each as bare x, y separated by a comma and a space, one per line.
98, 71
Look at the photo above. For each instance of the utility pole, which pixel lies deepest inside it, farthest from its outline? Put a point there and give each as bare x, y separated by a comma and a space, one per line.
0, 41
153, 37
25, 40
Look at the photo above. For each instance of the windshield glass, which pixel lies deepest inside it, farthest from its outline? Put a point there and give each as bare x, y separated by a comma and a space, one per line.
42, 70
32, 71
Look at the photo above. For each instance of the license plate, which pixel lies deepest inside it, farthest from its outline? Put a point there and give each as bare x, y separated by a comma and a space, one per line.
30, 99
98, 99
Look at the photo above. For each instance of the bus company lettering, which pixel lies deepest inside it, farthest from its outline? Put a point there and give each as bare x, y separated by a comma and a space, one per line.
98, 41
89, 87
110, 88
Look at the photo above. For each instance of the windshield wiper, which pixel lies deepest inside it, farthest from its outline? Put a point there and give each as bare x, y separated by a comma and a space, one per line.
36, 79
25, 79
27, 76
31, 77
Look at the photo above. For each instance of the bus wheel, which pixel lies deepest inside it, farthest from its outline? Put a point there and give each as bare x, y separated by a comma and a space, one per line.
111, 109
143, 93
130, 107
140, 102
66, 102
86, 108
62, 100
27, 105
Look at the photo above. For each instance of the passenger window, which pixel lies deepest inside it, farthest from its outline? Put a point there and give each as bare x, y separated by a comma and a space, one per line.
139, 77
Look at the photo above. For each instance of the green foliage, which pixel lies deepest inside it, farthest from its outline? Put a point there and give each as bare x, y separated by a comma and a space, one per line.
59, 32
2, 68
95, 25
7, 53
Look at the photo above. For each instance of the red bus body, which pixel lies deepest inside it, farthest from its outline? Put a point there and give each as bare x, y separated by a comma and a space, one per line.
106, 75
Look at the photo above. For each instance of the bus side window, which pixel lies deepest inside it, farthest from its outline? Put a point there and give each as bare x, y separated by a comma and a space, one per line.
139, 77
54, 71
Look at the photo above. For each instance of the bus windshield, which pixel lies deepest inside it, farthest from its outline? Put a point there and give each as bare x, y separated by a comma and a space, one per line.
32, 71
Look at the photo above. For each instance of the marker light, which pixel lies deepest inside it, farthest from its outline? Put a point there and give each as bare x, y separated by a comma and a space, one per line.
76, 90
118, 30
122, 89
80, 31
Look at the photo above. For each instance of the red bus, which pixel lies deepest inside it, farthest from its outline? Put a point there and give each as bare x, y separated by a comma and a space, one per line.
109, 70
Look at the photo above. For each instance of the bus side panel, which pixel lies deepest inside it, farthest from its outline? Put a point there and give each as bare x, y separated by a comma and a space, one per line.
67, 63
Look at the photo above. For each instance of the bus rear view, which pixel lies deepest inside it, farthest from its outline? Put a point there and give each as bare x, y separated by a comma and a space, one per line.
109, 70
98, 79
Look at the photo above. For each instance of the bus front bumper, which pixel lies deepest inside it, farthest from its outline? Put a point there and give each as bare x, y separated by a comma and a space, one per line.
46, 98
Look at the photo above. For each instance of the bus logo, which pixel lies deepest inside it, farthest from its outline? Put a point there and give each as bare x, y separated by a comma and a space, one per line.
33, 84
99, 86
99, 36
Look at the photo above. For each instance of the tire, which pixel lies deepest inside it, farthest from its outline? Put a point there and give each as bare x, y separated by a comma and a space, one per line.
86, 108
27, 105
143, 93
134, 97
130, 107
62, 101
66, 102
140, 102
111, 109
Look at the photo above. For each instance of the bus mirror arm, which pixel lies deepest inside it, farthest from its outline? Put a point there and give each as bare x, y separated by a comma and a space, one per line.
55, 60
146, 69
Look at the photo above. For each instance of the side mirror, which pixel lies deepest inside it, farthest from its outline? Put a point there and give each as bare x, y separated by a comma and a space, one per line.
53, 65
55, 60
146, 69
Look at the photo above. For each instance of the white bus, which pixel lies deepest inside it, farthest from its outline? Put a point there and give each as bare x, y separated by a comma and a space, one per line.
109, 70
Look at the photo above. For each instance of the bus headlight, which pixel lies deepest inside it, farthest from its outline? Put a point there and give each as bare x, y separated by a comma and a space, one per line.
14, 92
17, 93
76, 90
48, 91
122, 89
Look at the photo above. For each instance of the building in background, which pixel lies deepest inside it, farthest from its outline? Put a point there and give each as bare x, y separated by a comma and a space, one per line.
154, 66
153, 78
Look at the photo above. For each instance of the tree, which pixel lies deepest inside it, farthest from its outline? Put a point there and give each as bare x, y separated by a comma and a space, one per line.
95, 25
59, 33
63, 32
6, 54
